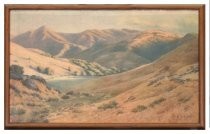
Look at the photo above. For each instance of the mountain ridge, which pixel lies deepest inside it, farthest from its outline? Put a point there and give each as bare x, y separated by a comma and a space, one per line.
105, 46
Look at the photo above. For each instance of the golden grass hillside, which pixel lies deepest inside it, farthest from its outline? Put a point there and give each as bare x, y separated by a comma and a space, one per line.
165, 91
29, 98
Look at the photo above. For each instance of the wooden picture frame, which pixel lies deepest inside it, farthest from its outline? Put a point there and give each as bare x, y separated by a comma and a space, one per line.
201, 39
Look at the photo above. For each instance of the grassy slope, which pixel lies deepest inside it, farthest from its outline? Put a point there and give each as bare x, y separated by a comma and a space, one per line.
113, 55
165, 91
30, 59
28, 104
128, 54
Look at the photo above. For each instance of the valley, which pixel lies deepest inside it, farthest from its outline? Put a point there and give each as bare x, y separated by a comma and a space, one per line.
104, 76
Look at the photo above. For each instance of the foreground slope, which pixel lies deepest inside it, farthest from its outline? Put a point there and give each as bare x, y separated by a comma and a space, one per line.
165, 91
29, 96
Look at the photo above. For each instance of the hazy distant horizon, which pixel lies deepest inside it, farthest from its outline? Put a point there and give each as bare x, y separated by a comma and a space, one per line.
73, 21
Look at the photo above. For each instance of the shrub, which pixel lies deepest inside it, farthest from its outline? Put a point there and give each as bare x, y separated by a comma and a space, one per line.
39, 116
170, 89
119, 112
139, 108
78, 104
131, 98
36, 95
46, 70
76, 111
31, 104
70, 93
91, 73
184, 99
42, 111
16, 72
29, 83
38, 78
94, 69
15, 89
156, 102
110, 105
16, 76
151, 83
65, 97
52, 99
39, 69
17, 111
16, 69
86, 94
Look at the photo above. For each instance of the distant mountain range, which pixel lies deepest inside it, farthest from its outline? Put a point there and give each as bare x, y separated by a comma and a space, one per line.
53, 42
124, 49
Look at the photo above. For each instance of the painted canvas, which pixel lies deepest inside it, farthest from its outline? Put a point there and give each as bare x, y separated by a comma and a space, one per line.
104, 66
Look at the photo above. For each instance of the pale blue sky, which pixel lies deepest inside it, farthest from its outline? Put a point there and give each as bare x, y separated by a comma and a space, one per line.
70, 21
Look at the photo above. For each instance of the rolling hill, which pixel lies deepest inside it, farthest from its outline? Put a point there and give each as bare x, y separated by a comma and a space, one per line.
31, 60
30, 95
144, 48
168, 64
165, 88
114, 55
37, 62
154, 43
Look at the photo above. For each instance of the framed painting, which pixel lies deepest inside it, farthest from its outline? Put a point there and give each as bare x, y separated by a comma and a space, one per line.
104, 67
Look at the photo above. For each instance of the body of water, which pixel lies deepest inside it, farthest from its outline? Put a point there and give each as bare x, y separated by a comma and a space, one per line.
65, 83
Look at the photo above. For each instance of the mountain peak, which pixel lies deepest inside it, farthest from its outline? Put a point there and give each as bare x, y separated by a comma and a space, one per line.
43, 28
151, 36
42, 32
